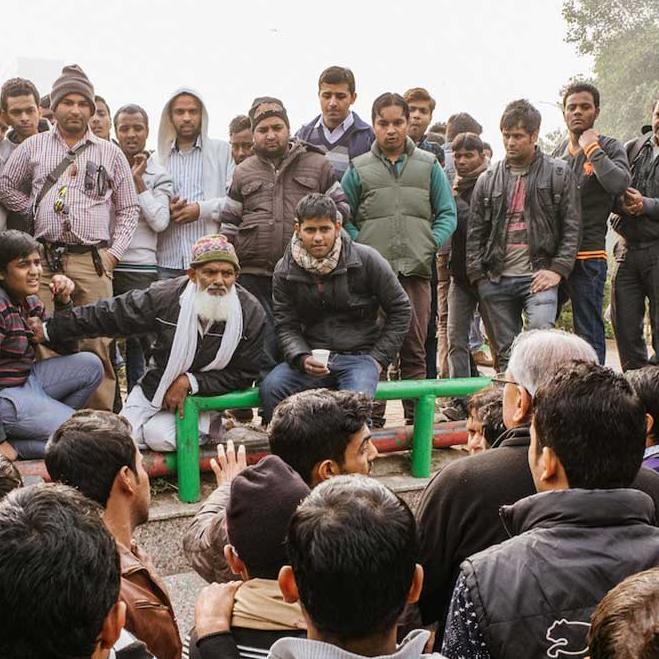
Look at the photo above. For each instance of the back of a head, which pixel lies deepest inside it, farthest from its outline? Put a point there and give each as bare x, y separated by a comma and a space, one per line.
536, 354
59, 574
591, 418
88, 450
625, 624
645, 383
462, 122
316, 425
353, 547
262, 501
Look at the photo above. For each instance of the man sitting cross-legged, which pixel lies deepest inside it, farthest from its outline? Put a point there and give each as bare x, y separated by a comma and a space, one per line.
36, 397
319, 433
330, 293
209, 338
94, 452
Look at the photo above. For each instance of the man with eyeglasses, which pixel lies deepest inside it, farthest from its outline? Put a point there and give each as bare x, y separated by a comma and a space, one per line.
83, 203
459, 511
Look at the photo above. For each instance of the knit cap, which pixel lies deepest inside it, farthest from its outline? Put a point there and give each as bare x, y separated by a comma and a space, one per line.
262, 501
267, 106
214, 247
72, 81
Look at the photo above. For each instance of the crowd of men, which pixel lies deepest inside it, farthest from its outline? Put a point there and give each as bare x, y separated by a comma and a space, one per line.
314, 266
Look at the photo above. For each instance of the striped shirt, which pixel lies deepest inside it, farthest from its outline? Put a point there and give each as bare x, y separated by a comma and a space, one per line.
187, 172
16, 349
98, 182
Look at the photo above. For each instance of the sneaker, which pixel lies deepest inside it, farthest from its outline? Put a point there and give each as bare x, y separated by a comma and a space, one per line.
481, 358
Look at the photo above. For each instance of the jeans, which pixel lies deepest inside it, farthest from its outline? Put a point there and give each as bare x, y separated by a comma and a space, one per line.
636, 278
347, 372
261, 288
585, 287
504, 302
54, 389
476, 339
462, 302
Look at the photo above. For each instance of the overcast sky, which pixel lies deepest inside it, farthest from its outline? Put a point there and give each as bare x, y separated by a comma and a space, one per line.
472, 55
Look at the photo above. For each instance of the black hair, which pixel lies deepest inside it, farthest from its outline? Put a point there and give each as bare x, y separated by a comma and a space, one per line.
45, 102
578, 87
487, 405
314, 206
100, 99
316, 425
520, 113
10, 477
131, 108
352, 544
88, 450
462, 122
337, 75
386, 100
239, 124
17, 87
15, 244
487, 147
590, 416
468, 142
645, 383
438, 127
59, 573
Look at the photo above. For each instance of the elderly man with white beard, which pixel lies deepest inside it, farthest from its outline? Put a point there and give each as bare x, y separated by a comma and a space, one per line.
209, 338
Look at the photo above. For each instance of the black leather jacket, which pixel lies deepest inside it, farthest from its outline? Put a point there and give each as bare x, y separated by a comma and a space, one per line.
553, 218
340, 311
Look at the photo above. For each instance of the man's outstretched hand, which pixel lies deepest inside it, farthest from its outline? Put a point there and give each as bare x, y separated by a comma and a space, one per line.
36, 325
229, 462
61, 288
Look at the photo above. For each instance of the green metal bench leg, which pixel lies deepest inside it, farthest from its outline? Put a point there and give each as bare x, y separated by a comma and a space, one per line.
187, 453
424, 413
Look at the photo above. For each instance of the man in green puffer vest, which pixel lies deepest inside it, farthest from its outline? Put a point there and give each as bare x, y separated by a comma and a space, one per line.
402, 206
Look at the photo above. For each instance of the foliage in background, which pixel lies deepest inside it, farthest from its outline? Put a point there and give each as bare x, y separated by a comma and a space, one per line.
622, 38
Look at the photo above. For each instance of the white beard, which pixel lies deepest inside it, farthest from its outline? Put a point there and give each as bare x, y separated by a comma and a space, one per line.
212, 308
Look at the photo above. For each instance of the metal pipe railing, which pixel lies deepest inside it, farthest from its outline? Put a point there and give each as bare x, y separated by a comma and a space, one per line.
424, 392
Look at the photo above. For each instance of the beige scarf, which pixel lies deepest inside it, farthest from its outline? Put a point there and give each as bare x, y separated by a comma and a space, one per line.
313, 265
259, 604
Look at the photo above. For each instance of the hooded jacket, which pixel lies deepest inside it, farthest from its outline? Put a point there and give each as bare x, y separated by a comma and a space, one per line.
218, 169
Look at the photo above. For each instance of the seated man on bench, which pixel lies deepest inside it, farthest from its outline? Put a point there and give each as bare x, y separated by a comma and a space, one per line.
209, 338
332, 294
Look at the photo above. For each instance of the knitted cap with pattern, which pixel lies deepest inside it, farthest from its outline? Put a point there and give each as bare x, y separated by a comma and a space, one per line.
214, 247
267, 106
72, 81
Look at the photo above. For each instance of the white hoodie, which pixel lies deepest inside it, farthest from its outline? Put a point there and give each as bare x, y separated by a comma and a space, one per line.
218, 169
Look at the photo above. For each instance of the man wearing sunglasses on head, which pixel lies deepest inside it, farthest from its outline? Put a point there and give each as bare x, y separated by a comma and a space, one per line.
82, 202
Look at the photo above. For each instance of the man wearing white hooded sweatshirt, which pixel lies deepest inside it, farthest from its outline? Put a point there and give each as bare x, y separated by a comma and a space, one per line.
200, 168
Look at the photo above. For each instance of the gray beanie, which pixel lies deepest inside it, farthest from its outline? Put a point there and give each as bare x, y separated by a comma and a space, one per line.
72, 81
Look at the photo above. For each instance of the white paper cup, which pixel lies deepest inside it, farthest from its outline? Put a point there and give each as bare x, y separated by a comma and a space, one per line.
321, 355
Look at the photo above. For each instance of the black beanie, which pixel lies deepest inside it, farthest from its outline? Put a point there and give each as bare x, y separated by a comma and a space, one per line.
267, 106
262, 501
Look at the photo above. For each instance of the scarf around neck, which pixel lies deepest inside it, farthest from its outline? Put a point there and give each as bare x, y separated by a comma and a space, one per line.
464, 183
311, 264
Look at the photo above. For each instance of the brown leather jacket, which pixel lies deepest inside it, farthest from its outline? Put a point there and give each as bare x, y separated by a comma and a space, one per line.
259, 213
149, 613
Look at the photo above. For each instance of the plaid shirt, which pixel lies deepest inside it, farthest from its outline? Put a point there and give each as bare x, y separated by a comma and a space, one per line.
96, 184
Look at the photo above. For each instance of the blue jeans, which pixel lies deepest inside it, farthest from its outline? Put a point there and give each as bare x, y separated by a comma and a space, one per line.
505, 301
348, 372
585, 287
54, 389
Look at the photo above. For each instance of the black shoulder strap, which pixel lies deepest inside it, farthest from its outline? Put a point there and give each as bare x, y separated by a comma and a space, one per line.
634, 147
557, 183
51, 179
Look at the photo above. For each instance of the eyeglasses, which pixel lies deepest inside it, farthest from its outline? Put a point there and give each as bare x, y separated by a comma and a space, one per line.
500, 378
58, 205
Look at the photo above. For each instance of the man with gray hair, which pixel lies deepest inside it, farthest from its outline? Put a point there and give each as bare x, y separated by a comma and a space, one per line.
459, 511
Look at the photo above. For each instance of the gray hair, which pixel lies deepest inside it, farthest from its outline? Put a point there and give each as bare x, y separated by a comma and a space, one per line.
536, 354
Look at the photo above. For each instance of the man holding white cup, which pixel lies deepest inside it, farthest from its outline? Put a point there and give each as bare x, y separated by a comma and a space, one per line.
340, 313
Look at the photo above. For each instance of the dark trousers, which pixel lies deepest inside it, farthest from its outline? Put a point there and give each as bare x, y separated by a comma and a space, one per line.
261, 288
137, 347
635, 280
585, 288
